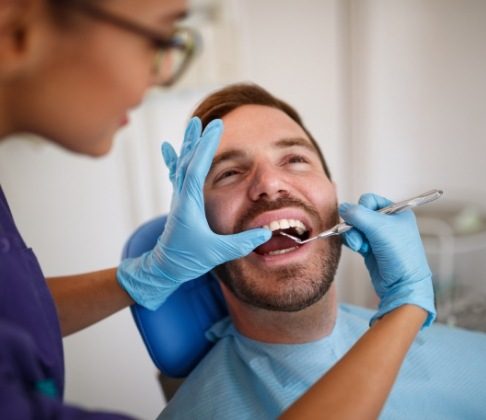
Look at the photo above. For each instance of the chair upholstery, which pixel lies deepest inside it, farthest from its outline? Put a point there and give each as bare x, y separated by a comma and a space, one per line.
174, 334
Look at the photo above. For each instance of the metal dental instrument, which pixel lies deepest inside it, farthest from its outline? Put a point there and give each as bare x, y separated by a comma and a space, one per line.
419, 200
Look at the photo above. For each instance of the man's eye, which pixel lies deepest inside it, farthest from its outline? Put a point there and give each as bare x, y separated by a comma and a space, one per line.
297, 159
226, 175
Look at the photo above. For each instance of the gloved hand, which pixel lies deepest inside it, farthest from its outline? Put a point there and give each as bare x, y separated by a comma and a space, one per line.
393, 253
188, 247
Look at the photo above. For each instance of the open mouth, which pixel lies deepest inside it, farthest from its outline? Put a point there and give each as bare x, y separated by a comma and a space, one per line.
280, 244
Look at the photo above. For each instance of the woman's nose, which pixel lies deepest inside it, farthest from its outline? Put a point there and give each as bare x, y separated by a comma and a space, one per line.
268, 183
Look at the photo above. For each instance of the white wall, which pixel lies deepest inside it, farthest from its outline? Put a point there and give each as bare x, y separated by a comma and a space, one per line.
392, 89
419, 89
418, 107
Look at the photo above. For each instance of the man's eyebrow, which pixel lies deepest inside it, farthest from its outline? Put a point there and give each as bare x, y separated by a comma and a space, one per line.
228, 155
296, 141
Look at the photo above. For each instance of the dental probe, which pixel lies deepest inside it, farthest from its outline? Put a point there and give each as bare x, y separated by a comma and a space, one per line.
419, 200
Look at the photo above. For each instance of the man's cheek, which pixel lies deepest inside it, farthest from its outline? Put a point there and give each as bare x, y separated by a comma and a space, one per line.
215, 216
209, 210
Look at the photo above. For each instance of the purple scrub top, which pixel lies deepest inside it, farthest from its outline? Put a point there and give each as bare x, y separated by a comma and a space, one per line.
31, 353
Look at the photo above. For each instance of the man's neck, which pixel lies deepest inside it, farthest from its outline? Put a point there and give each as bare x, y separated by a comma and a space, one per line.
310, 324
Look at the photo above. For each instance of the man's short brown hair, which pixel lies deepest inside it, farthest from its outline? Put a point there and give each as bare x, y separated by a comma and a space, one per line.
223, 101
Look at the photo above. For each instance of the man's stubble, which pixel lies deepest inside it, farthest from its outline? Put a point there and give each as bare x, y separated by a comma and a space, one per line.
295, 287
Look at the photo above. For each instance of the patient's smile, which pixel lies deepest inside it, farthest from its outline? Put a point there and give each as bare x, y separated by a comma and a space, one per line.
284, 224
279, 244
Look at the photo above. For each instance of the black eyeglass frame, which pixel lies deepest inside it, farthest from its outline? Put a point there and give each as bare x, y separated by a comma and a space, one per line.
160, 42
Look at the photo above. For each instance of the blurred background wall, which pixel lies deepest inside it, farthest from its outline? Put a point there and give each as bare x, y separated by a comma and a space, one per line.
394, 91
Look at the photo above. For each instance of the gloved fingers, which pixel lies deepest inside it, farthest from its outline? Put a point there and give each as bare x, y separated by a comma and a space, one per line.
354, 240
377, 202
203, 154
191, 140
213, 124
191, 136
362, 218
241, 244
374, 201
170, 160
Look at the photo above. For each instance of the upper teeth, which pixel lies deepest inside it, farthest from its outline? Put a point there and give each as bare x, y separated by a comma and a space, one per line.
286, 224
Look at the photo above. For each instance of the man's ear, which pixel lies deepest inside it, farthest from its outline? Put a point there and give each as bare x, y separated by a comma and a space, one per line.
18, 20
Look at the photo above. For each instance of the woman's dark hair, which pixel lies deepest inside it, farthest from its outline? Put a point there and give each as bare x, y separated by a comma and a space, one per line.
223, 101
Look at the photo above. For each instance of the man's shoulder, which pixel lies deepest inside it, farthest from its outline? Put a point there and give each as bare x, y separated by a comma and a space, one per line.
442, 376
462, 345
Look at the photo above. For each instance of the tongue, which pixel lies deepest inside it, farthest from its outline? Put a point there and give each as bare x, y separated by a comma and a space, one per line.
276, 243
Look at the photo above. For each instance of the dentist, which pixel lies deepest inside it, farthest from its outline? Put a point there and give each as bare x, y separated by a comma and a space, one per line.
70, 70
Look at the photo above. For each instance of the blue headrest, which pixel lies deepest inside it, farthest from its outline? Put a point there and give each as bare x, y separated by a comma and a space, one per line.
174, 334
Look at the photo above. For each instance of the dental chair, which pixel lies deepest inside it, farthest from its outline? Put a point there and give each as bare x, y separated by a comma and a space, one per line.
174, 334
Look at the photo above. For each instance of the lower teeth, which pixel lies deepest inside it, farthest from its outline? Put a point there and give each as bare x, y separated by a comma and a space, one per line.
282, 251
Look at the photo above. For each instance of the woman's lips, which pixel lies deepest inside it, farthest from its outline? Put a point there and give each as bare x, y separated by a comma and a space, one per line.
124, 121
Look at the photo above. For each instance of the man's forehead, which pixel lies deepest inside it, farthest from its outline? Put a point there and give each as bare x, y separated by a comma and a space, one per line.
248, 125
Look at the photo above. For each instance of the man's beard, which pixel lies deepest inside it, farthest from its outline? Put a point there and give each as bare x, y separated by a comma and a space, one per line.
300, 285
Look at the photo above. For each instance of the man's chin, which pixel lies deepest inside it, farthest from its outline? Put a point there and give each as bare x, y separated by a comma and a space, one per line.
278, 287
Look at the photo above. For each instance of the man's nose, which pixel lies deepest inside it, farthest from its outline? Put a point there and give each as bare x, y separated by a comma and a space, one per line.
268, 183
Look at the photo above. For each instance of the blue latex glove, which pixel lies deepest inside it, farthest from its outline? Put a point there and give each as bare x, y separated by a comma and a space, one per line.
188, 247
393, 253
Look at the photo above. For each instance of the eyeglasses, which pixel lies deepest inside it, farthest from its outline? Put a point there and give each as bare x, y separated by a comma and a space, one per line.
173, 54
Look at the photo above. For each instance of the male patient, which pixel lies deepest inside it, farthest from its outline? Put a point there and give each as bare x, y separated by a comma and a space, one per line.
285, 328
